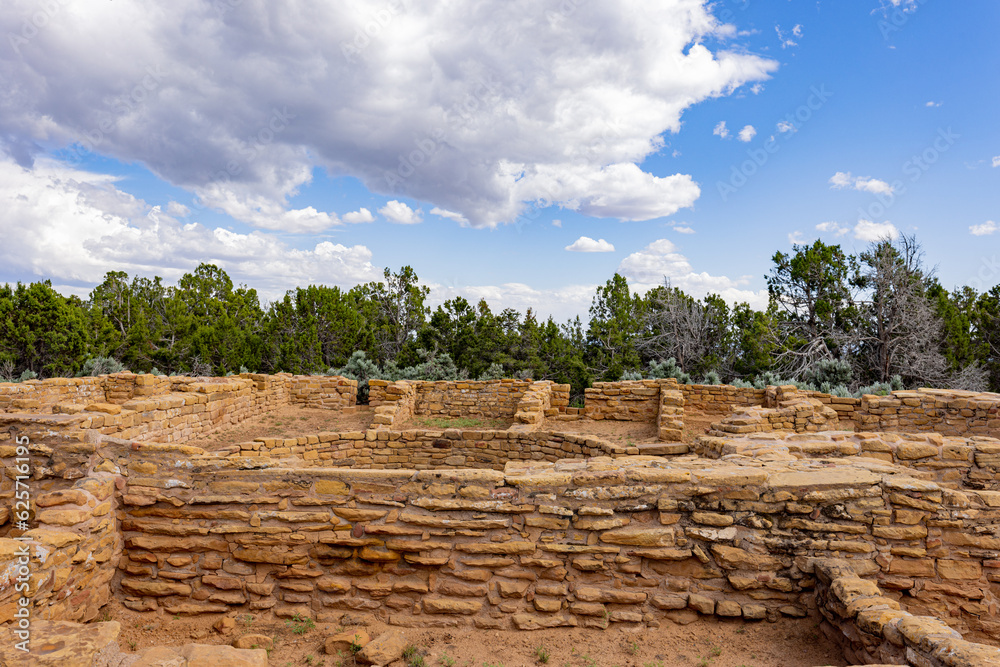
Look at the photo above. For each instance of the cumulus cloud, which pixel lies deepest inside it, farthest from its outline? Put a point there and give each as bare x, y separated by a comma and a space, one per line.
399, 213
833, 227
683, 229
477, 109
996, 161
843, 179
987, 228
933, 104
721, 130
587, 244
747, 133
866, 230
72, 226
362, 215
786, 126
795, 238
786, 38
661, 260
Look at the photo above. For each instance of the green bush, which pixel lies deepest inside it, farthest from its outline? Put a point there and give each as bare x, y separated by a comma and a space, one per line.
101, 366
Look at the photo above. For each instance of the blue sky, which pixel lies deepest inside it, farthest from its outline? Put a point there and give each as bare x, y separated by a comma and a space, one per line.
521, 152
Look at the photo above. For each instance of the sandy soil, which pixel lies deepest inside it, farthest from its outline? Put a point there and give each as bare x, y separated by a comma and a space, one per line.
708, 642
286, 422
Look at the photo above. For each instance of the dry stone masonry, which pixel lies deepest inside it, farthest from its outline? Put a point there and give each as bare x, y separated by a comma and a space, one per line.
892, 535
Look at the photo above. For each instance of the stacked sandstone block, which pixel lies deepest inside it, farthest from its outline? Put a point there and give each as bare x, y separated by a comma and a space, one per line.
535, 405
670, 418
588, 543
719, 398
951, 461
628, 400
949, 412
429, 449
395, 403
871, 628
800, 415
470, 398
177, 409
73, 538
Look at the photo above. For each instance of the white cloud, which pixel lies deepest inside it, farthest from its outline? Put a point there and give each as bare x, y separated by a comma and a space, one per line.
795, 238
835, 227
862, 184
784, 39
441, 105
587, 244
987, 228
747, 133
450, 215
616, 191
72, 226
399, 213
557, 223
996, 161
178, 210
684, 230
362, 215
661, 260
721, 130
757, 88
786, 126
866, 230
933, 104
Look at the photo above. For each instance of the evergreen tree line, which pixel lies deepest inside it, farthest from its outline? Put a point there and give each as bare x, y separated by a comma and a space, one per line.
837, 322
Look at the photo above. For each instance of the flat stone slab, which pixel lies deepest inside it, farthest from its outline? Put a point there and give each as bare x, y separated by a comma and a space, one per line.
59, 644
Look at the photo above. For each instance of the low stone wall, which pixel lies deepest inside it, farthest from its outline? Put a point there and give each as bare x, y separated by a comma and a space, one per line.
870, 628
429, 449
58, 522
971, 463
798, 415
670, 418
719, 398
628, 400
949, 412
155, 408
462, 398
632, 540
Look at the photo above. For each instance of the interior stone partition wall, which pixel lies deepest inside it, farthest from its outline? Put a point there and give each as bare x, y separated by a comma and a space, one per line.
526, 402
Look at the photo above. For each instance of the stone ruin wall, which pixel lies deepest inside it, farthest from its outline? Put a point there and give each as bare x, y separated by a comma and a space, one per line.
781, 524
577, 543
527, 402
173, 409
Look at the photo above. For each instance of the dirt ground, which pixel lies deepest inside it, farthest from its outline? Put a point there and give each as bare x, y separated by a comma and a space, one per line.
286, 422
708, 642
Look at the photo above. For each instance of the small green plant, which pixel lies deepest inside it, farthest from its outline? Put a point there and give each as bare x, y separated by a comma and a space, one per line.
633, 647
310, 659
446, 660
588, 661
355, 647
132, 644
300, 625
703, 662
658, 663
177, 617
417, 661
716, 651
105, 616
542, 655
247, 619
740, 630
409, 651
